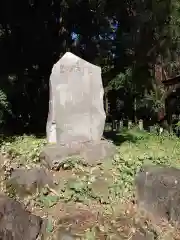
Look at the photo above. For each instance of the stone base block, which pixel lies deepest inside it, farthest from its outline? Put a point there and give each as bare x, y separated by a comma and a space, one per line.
91, 153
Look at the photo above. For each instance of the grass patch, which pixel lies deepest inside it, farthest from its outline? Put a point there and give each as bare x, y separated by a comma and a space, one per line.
105, 185
23, 148
117, 174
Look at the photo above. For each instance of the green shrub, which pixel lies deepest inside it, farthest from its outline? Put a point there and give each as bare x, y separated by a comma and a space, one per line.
4, 107
26, 147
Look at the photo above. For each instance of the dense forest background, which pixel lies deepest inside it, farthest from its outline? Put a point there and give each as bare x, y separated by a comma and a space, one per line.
136, 42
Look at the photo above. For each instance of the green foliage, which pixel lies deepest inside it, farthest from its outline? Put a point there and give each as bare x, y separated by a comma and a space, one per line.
139, 148
90, 234
25, 148
47, 201
122, 80
4, 107
114, 178
119, 172
145, 34
77, 189
147, 149
49, 227
72, 163
156, 97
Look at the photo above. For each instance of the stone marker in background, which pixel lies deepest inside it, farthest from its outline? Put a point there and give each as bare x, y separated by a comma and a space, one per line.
76, 116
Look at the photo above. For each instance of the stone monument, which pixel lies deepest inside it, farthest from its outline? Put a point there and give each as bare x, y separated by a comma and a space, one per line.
76, 113
76, 109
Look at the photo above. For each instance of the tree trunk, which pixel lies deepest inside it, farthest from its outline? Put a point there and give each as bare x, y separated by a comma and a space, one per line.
106, 104
135, 109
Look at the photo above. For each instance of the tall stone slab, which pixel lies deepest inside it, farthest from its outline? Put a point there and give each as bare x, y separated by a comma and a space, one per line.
76, 112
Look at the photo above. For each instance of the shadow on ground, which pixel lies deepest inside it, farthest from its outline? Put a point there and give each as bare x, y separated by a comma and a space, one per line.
118, 138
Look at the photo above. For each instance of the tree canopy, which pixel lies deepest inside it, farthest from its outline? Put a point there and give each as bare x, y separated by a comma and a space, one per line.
130, 40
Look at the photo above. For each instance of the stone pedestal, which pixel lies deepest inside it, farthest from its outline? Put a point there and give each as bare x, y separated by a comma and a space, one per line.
54, 156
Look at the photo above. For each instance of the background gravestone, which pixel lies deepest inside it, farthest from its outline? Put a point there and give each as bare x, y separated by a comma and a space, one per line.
76, 111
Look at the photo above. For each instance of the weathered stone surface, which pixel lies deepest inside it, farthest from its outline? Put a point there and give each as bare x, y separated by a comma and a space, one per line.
76, 111
94, 152
62, 234
158, 192
27, 181
142, 234
16, 223
53, 156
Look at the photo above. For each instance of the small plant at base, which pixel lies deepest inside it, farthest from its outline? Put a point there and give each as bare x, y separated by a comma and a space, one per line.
90, 234
47, 201
72, 163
